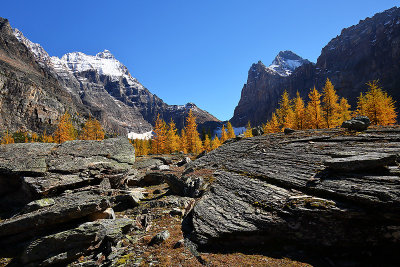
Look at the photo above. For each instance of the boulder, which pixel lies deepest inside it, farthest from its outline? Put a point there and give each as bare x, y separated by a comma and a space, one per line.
151, 178
184, 161
358, 124
185, 186
64, 210
147, 163
69, 245
159, 238
34, 170
288, 131
277, 191
257, 131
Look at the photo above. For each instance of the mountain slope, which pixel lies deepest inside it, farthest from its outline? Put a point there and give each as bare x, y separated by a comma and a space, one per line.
367, 51
105, 86
264, 85
30, 96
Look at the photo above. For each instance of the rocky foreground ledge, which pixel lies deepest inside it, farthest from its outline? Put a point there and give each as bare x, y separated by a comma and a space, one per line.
324, 192
56, 200
329, 197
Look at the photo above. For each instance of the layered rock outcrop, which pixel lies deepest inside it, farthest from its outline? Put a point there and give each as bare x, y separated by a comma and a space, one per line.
320, 191
55, 199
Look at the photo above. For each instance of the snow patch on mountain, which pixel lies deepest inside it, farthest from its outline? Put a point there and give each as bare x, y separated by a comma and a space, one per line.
146, 135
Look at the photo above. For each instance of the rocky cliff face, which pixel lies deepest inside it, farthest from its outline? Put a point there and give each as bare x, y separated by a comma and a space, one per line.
264, 87
30, 96
105, 85
361, 53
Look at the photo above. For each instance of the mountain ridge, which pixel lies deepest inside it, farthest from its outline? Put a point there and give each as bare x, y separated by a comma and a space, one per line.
361, 53
107, 88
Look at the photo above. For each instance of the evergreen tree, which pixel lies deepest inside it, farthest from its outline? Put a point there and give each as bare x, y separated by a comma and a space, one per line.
183, 144
160, 136
172, 138
362, 105
299, 112
285, 113
248, 132
192, 135
215, 143
46, 138
377, 105
224, 134
231, 132
272, 126
330, 105
344, 110
207, 144
34, 137
65, 130
198, 145
92, 130
313, 110
7, 139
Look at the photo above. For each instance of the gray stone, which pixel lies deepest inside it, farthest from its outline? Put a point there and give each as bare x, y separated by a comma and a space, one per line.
151, 178
184, 161
163, 168
159, 238
257, 131
186, 186
288, 131
358, 124
176, 212
66, 209
69, 245
275, 189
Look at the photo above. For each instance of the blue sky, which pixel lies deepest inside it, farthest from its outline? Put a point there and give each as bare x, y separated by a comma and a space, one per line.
189, 51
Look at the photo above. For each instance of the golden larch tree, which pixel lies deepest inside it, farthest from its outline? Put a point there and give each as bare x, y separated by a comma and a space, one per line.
65, 130
172, 138
313, 110
159, 142
377, 105
248, 132
46, 138
272, 126
284, 112
92, 130
207, 143
224, 134
198, 145
231, 132
344, 110
7, 139
192, 135
215, 143
34, 137
330, 105
183, 144
361, 105
299, 112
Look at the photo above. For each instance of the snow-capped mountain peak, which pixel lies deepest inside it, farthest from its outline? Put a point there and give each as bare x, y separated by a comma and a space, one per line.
105, 54
104, 63
38, 51
286, 62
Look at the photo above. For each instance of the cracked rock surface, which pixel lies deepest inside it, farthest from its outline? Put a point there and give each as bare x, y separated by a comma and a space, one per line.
280, 190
